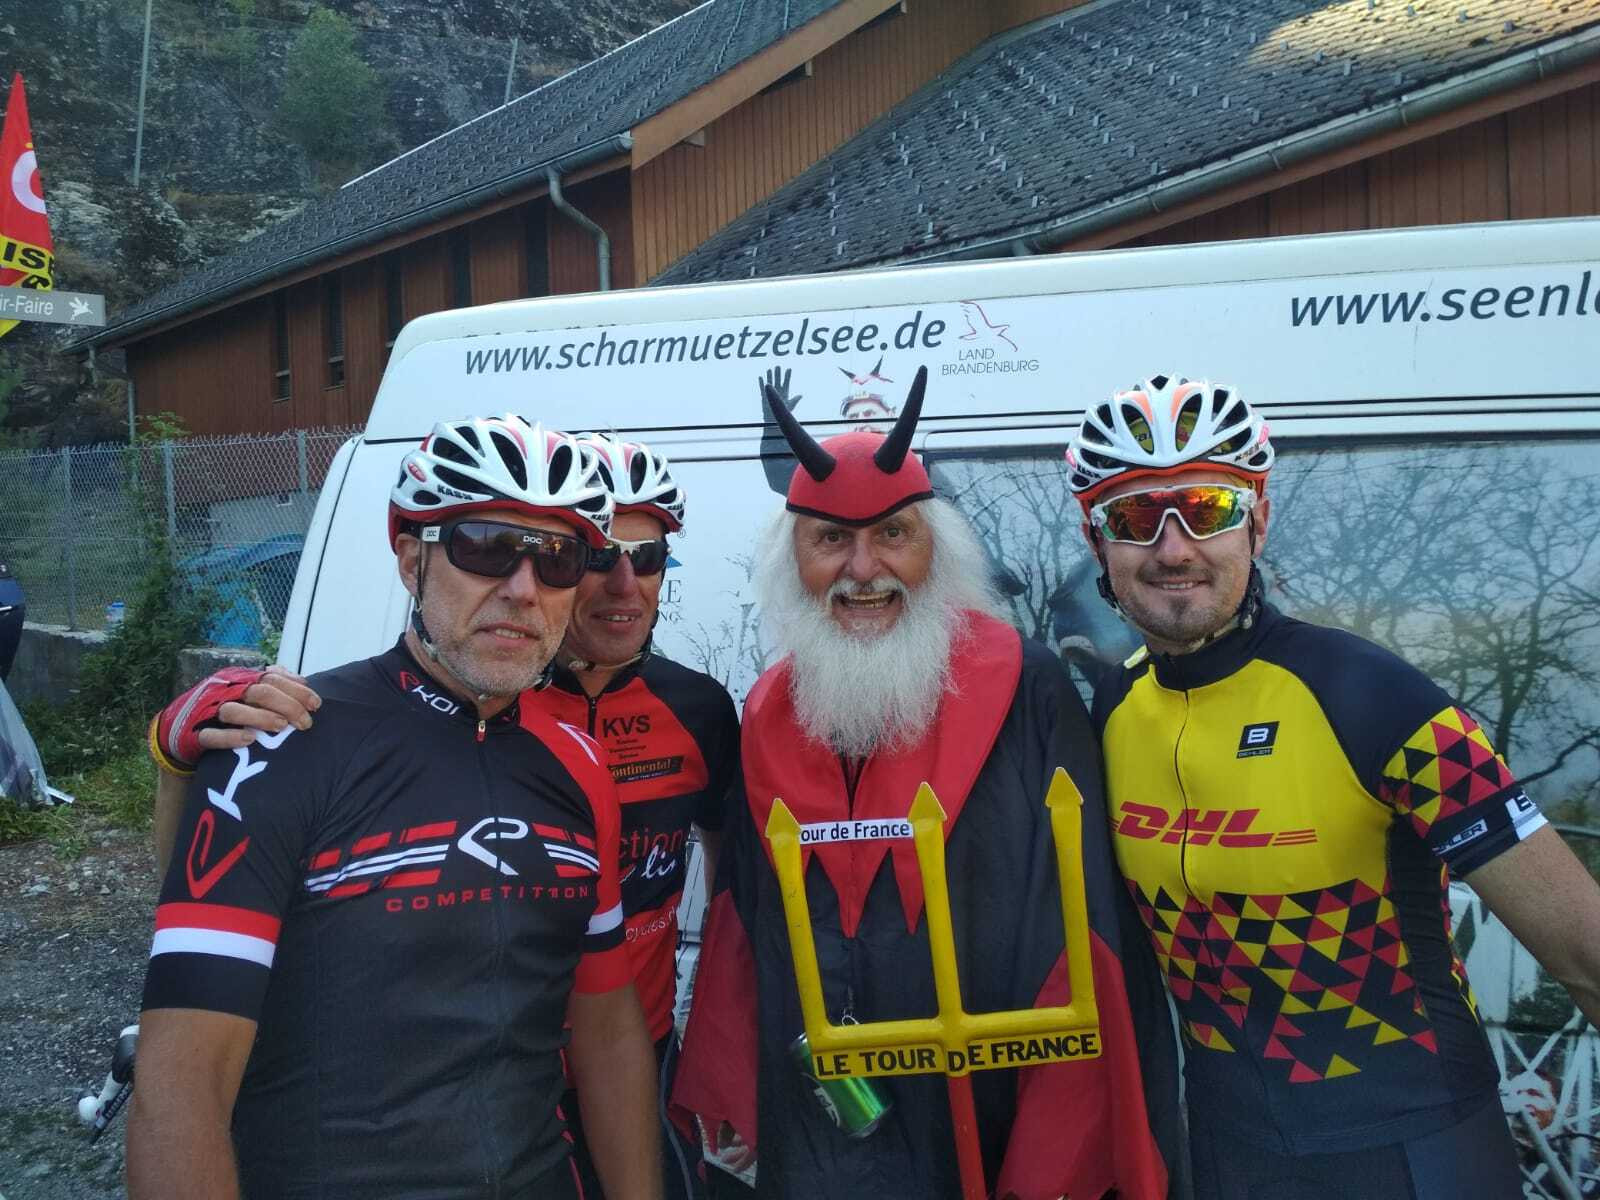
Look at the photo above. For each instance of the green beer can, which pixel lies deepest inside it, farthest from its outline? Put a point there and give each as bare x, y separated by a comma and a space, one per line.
856, 1106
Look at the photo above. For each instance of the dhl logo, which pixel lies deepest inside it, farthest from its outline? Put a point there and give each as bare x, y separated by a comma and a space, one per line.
1202, 826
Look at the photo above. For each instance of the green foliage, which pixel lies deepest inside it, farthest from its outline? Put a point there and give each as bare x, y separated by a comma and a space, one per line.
271, 641
93, 747
164, 426
235, 44
332, 104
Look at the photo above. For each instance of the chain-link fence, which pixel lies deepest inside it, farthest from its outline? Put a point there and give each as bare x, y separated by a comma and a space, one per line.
77, 526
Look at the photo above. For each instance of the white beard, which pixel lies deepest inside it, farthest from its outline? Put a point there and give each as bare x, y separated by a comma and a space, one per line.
862, 694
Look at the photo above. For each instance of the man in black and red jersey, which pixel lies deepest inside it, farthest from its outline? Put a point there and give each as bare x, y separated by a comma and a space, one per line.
671, 735
368, 951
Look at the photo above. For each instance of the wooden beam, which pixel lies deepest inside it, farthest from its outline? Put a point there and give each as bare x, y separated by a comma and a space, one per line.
658, 134
1478, 110
312, 270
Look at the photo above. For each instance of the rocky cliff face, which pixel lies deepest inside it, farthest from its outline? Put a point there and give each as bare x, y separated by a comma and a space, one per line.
214, 170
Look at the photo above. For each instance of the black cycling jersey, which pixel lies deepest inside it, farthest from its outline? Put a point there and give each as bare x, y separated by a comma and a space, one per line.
404, 898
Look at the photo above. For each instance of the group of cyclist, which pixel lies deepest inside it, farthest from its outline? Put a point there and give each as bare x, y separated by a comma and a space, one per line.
417, 935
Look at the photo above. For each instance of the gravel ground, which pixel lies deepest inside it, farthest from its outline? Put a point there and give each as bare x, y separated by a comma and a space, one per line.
73, 940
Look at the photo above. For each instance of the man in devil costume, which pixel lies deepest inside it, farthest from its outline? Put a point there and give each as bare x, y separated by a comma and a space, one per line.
895, 672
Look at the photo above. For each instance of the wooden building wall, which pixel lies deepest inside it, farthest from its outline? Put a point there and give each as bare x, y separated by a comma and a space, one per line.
1541, 160
216, 372
608, 202
216, 375
688, 193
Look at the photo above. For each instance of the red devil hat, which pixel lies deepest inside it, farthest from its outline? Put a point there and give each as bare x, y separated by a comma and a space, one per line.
856, 478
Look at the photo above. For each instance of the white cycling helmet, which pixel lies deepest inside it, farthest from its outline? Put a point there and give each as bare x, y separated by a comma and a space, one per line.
501, 462
640, 479
1165, 426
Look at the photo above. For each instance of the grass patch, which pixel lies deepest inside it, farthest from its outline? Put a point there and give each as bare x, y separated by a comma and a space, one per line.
118, 790
94, 746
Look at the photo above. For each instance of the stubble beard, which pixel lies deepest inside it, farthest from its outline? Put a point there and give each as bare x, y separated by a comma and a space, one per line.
491, 678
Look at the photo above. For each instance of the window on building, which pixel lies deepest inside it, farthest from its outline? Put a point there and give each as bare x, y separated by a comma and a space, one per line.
536, 251
333, 328
280, 347
460, 268
394, 300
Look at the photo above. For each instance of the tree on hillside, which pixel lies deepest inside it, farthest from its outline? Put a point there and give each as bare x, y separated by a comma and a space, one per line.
332, 101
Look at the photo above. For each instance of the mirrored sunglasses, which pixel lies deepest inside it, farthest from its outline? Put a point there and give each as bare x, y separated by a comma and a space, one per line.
1203, 509
495, 549
648, 558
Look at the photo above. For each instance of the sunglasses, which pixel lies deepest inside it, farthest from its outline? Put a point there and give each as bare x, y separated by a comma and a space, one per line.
648, 558
495, 549
1203, 509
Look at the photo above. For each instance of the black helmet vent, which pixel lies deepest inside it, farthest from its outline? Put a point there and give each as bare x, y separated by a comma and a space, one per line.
516, 462
560, 468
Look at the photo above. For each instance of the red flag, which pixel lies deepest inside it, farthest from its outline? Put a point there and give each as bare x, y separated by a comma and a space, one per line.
27, 254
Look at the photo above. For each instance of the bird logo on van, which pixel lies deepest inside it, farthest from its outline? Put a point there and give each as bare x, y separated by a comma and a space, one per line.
980, 329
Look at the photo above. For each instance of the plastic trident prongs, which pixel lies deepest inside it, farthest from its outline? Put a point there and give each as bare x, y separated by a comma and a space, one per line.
955, 1042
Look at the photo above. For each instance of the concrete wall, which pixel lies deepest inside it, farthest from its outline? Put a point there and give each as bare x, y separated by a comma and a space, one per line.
48, 660
50, 657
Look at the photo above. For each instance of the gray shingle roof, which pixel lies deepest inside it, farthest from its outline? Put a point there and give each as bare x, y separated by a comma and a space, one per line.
1066, 115
582, 108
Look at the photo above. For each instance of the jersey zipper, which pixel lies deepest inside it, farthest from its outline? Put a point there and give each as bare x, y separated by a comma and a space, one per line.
497, 970
594, 711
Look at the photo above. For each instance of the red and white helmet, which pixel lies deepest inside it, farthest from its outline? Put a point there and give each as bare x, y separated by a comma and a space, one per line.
640, 479
1165, 426
501, 462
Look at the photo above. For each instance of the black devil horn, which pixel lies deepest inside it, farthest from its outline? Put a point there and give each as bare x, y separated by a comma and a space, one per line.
818, 462
892, 453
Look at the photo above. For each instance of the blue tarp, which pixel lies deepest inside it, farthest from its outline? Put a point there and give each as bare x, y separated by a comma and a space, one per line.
251, 583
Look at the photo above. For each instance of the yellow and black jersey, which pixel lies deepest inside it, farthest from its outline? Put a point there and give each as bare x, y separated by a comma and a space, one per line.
1284, 804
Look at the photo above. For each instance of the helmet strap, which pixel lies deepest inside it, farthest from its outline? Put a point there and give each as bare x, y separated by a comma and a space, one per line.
417, 626
1103, 583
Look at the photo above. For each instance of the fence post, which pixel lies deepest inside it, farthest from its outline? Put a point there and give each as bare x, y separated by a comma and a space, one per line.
172, 507
300, 449
72, 542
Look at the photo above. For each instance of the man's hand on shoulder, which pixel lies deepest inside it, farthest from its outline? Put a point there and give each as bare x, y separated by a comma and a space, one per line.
247, 699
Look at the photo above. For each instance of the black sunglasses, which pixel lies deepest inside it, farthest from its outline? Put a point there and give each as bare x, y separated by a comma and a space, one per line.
648, 558
494, 548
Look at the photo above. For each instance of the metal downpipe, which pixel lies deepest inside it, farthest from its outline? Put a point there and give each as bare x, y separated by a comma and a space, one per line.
602, 243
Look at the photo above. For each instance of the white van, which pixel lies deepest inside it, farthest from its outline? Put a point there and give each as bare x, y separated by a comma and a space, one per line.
1435, 394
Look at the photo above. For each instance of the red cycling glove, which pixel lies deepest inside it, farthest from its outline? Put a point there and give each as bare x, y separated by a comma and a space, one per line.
175, 730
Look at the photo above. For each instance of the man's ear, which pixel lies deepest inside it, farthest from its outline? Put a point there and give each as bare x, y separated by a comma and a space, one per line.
1259, 517
408, 556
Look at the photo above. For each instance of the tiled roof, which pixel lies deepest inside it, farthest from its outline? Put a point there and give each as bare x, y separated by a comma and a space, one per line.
582, 108
1067, 115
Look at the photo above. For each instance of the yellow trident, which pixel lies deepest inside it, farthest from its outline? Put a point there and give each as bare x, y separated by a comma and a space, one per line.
954, 1042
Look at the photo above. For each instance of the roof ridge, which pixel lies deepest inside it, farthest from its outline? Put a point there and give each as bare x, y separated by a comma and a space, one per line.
549, 83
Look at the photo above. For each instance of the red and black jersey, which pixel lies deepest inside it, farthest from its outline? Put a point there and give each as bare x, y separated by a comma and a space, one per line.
404, 898
672, 738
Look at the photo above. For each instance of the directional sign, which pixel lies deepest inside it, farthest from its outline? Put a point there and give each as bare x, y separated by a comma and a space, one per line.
59, 308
